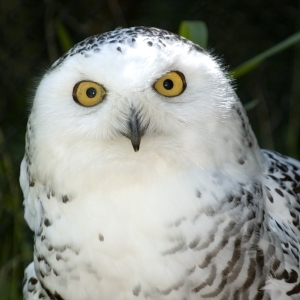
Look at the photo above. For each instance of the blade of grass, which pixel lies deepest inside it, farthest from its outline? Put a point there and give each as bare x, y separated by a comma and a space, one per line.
255, 61
196, 31
63, 36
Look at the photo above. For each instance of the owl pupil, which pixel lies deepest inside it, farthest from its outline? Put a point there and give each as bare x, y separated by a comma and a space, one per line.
91, 92
168, 84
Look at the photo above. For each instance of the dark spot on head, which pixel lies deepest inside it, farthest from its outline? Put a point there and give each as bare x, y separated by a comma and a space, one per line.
65, 199
150, 44
136, 290
119, 49
198, 194
47, 222
241, 161
101, 237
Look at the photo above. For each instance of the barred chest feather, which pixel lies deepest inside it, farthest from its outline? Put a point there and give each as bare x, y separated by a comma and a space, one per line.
195, 235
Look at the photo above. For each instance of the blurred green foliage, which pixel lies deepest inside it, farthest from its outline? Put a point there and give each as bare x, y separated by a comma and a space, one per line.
252, 63
63, 36
33, 34
195, 31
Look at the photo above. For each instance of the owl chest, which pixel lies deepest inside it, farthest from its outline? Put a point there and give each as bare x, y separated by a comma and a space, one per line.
124, 238
141, 242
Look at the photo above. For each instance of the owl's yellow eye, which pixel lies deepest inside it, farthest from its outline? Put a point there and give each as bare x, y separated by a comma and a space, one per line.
171, 84
88, 93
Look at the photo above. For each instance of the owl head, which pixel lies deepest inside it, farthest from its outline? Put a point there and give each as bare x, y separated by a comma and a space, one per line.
138, 94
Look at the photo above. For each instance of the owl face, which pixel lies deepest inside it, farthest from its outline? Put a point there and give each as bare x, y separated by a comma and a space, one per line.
130, 74
132, 92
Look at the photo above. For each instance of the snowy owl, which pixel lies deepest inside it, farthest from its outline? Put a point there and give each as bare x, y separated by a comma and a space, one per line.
142, 179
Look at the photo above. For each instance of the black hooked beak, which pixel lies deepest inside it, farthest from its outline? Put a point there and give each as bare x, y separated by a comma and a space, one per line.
136, 130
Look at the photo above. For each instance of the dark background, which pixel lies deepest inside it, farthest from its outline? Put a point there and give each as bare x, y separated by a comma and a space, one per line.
29, 43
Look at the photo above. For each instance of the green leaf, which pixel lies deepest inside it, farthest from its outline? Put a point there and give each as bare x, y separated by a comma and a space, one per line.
63, 36
196, 31
258, 59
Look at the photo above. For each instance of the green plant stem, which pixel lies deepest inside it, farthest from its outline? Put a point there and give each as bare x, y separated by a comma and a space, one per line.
256, 60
